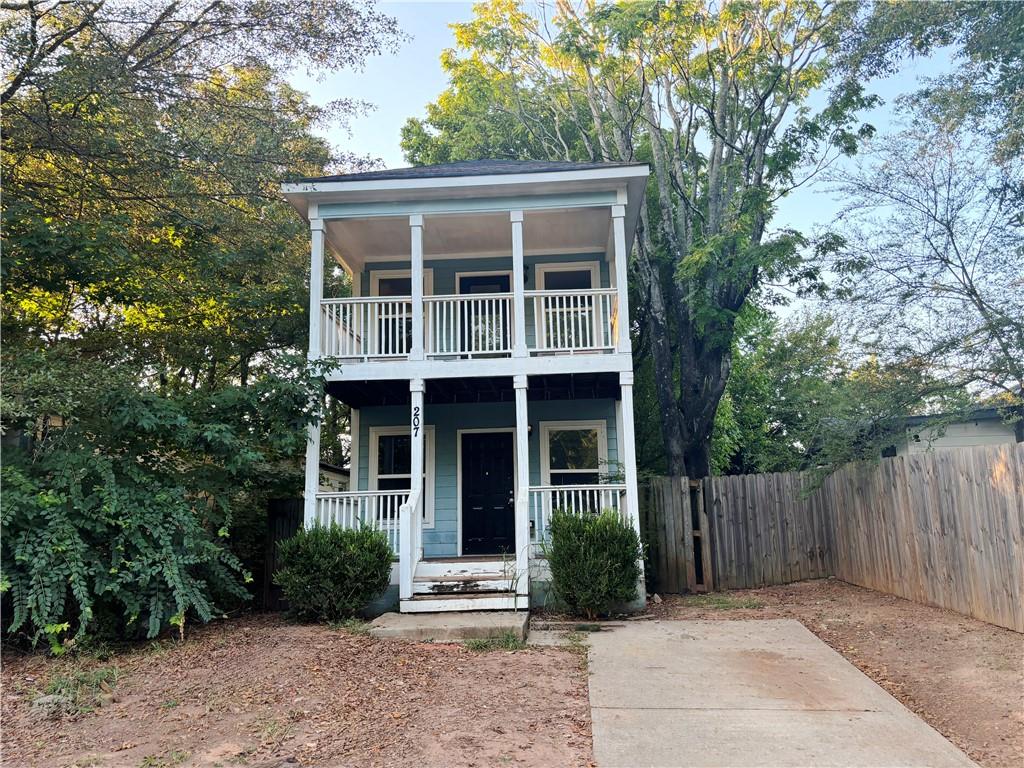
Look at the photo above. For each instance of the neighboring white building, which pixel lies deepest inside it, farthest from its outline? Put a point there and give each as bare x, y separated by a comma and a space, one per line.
486, 358
983, 427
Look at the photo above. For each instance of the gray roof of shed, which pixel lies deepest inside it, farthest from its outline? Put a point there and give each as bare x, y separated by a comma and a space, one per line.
469, 168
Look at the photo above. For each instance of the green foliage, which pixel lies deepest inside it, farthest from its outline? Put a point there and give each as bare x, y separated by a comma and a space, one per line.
801, 397
153, 296
328, 574
118, 501
594, 561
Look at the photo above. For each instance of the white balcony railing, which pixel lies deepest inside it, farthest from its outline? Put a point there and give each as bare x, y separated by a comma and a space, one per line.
352, 509
574, 321
366, 327
469, 325
580, 499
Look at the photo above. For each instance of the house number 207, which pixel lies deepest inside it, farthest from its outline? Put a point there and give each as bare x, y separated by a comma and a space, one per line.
416, 421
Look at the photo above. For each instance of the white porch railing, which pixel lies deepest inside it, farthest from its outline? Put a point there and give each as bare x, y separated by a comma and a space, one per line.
366, 327
351, 509
469, 324
574, 321
581, 499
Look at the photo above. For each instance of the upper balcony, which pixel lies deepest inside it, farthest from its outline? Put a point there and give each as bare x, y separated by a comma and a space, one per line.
473, 269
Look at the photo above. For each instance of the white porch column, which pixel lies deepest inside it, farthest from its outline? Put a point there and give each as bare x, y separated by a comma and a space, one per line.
410, 518
623, 343
518, 287
416, 274
316, 291
627, 447
522, 509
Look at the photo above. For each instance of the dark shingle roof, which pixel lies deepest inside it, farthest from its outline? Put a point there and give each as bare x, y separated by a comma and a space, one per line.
468, 168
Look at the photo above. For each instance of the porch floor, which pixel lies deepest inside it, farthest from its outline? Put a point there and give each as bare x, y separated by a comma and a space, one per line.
450, 627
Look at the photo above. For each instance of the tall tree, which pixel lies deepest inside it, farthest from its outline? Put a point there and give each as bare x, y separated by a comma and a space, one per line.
933, 257
715, 97
153, 290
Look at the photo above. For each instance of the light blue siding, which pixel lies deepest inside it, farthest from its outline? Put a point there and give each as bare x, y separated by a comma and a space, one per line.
442, 539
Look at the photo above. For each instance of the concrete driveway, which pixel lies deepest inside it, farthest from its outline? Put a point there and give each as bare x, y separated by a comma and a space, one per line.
745, 693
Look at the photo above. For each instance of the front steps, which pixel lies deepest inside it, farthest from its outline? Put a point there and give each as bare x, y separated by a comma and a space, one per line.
464, 584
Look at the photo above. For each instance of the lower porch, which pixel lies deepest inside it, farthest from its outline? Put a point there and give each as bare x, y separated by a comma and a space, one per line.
471, 534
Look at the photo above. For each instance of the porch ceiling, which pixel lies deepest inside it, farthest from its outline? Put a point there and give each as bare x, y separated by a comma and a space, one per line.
482, 389
470, 235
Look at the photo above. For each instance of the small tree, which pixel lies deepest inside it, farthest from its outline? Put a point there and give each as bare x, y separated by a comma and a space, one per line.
331, 573
594, 561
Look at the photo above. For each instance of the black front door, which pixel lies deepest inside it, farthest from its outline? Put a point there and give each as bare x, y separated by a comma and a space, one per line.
488, 483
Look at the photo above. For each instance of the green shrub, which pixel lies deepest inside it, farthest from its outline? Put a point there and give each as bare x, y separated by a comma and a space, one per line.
330, 573
594, 561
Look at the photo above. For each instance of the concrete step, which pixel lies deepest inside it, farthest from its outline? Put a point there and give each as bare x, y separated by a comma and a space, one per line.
449, 627
476, 601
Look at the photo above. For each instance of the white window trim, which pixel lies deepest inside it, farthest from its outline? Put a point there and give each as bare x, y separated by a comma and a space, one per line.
377, 274
547, 427
482, 273
458, 474
568, 266
428, 465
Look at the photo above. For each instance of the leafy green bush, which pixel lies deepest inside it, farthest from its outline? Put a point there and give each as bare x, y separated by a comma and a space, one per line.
119, 502
330, 573
594, 561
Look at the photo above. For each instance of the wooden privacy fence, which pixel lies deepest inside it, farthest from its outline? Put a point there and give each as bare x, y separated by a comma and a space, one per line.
944, 528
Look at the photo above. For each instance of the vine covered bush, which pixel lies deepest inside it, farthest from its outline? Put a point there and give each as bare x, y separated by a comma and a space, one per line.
119, 501
330, 573
594, 561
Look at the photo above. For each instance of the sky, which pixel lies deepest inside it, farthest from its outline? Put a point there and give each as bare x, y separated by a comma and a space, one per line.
399, 86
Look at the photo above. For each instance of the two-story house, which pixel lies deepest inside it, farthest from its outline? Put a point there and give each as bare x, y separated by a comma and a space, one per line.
485, 355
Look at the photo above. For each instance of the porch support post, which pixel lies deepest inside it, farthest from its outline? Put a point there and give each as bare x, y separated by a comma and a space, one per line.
416, 275
316, 291
410, 514
627, 448
623, 344
522, 509
518, 287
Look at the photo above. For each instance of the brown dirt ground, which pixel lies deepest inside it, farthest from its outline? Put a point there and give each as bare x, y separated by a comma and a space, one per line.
257, 691
964, 677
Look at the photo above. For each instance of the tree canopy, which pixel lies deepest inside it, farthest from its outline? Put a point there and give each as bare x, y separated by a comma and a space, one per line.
154, 295
716, 98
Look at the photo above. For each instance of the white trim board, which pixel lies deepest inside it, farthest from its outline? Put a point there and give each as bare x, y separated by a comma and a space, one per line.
458, 475
547, 427
377, 274
428, 465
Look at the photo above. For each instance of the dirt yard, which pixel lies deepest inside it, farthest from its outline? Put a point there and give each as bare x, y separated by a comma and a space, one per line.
964, 677
261, 692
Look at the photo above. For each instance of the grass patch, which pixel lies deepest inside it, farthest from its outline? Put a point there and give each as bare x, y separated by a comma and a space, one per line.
168, 760
507, 641
83, 688
353, 626
720, 601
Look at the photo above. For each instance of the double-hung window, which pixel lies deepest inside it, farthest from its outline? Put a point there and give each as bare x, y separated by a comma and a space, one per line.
391, 464
573, 452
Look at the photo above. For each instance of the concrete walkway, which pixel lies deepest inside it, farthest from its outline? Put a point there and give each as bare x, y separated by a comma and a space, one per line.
745, 693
